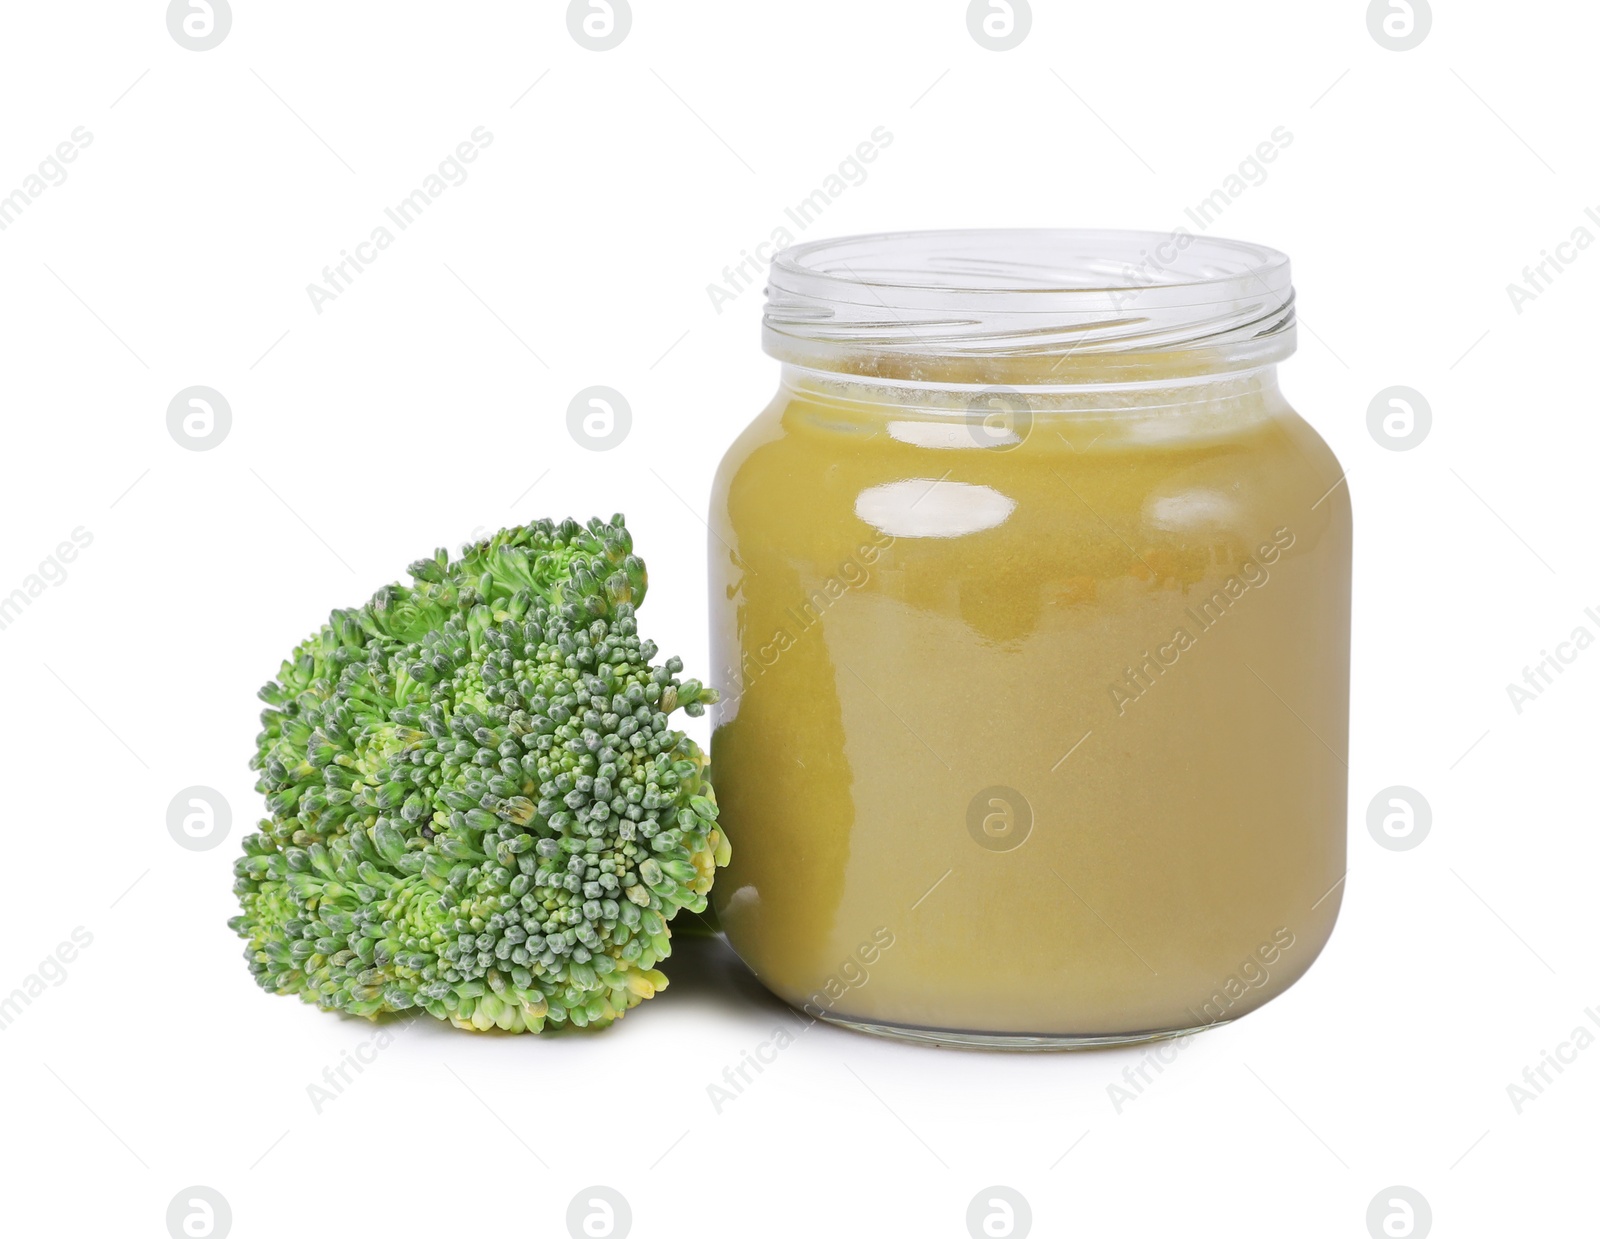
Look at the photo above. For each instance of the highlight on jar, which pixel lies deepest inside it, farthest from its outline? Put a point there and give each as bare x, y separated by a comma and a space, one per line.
1030, 619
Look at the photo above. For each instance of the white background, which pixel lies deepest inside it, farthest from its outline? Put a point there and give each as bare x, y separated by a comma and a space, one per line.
426, 400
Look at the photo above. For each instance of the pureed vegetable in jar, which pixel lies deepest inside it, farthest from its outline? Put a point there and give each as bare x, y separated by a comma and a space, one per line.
1030, 600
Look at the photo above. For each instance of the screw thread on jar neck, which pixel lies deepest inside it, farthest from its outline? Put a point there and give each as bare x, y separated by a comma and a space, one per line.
1029, 308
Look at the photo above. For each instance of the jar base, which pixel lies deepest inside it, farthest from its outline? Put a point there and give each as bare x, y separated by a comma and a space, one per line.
1023, 1042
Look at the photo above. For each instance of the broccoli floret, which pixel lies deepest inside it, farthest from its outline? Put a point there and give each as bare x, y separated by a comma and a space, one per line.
477, 805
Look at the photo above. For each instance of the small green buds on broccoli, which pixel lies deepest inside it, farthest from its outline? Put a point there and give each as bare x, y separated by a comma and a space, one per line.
477, 805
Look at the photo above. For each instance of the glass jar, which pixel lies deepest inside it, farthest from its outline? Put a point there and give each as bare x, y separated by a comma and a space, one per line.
1031, 612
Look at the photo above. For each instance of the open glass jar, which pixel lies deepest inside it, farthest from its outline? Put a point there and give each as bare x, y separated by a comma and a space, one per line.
1030, 609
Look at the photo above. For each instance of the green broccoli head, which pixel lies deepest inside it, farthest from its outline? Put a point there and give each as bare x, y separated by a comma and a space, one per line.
477, 804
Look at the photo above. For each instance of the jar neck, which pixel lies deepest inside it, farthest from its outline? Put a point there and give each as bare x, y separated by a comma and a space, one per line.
954, 391
1029, 308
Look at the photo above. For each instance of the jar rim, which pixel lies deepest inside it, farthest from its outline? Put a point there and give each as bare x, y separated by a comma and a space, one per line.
1104, 297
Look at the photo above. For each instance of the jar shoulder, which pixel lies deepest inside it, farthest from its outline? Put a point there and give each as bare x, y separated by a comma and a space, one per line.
830, 471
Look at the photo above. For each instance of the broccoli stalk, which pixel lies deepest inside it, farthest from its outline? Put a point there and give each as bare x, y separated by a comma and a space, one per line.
477, 805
